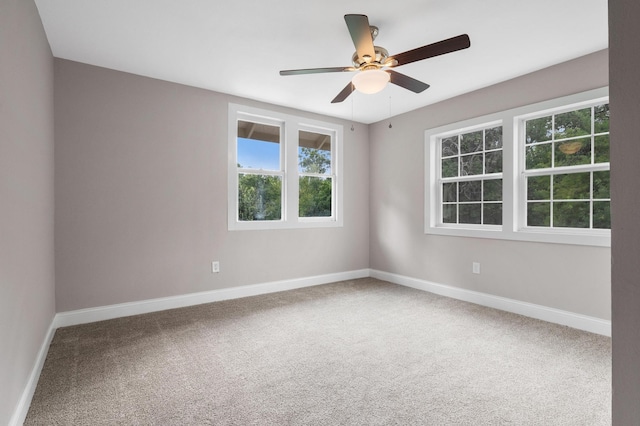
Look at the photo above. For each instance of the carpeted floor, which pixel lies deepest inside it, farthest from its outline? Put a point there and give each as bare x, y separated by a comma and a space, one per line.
360, 352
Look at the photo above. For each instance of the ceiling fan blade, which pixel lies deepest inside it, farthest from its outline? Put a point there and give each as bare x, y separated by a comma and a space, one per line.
316, 70
407, 82
429, 51
344, 94
361, 35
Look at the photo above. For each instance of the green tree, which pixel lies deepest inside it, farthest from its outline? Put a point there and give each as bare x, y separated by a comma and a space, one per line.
259, 197
313, 160
568, 137
315, 192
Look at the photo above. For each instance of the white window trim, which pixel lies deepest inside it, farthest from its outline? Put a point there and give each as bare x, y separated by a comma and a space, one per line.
513, 190
290, 126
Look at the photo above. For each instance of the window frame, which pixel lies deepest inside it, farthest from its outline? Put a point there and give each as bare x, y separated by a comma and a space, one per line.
552, 171
513, 181
290, 126
332, 175
462, 178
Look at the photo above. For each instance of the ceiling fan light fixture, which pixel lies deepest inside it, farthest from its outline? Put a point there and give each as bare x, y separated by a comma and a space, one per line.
370, 81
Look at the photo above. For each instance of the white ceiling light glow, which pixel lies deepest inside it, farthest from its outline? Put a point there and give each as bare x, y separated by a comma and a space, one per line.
370, 81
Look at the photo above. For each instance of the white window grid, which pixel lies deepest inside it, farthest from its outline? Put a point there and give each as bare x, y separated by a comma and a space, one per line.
461, 178
559, 170
513, 176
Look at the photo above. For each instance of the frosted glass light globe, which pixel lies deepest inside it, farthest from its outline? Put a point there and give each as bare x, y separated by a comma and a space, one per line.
370, 81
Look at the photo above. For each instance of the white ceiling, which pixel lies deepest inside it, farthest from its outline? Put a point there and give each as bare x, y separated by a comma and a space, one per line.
238, 46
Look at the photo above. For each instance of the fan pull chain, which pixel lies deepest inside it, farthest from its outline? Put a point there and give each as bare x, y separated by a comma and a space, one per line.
352, 128
390, 126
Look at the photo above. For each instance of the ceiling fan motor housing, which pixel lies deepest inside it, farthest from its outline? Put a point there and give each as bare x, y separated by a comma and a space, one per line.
379, 60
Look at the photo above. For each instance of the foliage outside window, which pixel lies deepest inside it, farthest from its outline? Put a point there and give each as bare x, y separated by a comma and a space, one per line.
315, 180
260, 173
553, 177
471, 177
567, 169
282, 171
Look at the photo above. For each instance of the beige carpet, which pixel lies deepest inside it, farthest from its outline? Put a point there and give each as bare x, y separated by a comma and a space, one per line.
360, 352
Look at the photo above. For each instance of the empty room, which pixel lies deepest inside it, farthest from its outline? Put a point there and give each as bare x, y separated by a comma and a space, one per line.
275, 213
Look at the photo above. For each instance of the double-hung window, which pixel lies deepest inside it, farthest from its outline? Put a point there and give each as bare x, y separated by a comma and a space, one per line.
565, 172
533, 173
259, 169
470, 177
315, 175
284, 171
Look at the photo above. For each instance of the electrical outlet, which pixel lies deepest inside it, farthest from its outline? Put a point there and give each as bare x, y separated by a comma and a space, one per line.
476, 267
215, 267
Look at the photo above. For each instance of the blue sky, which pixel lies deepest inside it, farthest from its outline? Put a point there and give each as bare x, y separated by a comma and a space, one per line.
257, 154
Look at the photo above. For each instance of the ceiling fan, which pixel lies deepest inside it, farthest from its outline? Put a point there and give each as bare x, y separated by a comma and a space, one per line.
373, 63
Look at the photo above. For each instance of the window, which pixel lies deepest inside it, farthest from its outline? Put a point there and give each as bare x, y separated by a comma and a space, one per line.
534, 173
315, 187
470, 177
260, 175
284, 171
566, 169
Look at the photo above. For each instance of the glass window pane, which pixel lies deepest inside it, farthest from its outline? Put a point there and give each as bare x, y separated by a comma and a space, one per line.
571, 214
450, 213
538, 214
573, 152
450, 192
601, 118
601, 149
573, 123
471, 165
314, 153
539, 188
450, 146
470, 191
258, 146
601, 185
450, 167
471, 142
538, 130
314, 196
493, 138
470, 213
573, 186
602, 214
259, 197
492, 214
493, 162
492, 190
538, 156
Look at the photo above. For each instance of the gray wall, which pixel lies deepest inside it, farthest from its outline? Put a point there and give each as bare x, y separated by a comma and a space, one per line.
398, 242
141, 195
625, 174
26, 196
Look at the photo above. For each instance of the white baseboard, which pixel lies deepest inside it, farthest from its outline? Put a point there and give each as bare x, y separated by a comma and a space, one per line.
557, 316
83, 316
20, 413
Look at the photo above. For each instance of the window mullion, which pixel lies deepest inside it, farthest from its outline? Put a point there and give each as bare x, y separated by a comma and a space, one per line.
291, 171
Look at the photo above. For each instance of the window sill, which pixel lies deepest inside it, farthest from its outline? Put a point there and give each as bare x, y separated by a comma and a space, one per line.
273, 225
598, 238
